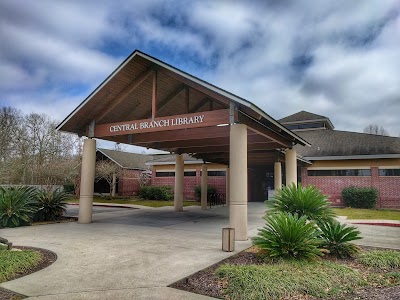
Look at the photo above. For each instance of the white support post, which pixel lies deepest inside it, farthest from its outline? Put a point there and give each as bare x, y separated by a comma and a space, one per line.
87, 181
179, 177
238, 181
227, 178
291, 167
277, 176
204, 187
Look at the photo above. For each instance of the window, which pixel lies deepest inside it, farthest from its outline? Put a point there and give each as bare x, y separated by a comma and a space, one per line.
389, 172
346, 172
189, 173
216, 173
165, 174
305, 126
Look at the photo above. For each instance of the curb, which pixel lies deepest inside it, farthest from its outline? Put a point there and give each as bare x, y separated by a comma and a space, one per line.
378, 224
107, 205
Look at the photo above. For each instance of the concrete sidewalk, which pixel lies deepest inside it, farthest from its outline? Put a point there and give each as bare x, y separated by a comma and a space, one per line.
137, 253
126, 254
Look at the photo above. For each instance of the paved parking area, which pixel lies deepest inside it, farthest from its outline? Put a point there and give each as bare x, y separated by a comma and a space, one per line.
137, 253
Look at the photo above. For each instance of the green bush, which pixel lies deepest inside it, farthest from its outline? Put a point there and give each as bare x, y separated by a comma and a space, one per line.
50, 205
69, 188
336, 238
210, 190
360, 197
383, 259
17, 206
288, 236
304, 201
156, 193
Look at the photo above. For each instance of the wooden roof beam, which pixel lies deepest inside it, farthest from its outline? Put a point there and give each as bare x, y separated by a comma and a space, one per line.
197, 87
225, 148
164, 102
200, 104
261, 129
126, 91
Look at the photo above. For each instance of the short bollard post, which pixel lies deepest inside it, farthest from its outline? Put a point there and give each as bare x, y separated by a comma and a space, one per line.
228, 239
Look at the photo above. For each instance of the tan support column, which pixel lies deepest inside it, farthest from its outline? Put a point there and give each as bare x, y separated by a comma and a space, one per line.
227, 186
178, 193
204, 179
291, 167
277, 176
238, 181
114, 185
87, 181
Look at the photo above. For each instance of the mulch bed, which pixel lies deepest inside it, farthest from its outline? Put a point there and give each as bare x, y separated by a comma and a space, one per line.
63, 219
206, 283
48, 257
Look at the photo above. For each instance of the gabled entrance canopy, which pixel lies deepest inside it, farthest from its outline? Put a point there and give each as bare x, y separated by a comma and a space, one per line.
146, 102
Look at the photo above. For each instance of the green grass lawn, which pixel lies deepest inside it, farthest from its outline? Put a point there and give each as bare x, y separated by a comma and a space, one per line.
136, 201
286, 279
14, 262
359, 213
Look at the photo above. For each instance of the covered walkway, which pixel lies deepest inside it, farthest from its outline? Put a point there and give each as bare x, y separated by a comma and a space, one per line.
146, 102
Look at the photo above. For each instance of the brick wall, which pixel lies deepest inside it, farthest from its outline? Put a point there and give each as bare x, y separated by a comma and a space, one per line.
389, 191
332, 186
190, 182
128, 185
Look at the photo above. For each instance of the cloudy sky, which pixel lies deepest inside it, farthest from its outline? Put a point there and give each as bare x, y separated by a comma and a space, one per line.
337, 58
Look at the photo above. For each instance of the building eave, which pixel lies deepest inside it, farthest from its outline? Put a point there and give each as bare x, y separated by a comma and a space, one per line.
347, 157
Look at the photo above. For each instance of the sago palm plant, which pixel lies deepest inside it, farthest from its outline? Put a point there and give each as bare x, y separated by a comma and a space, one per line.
51, 205
17, 206
336, 238
288, 236
304, 201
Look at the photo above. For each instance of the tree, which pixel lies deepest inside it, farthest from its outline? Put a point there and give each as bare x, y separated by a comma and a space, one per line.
33, 152
110, 172
376, 129
143, 178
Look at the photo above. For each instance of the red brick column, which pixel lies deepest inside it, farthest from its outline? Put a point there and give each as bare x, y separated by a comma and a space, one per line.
375, 184
304, 178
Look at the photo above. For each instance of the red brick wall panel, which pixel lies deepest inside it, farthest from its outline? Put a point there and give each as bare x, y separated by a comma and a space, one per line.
388, 186
332, 186
128, 184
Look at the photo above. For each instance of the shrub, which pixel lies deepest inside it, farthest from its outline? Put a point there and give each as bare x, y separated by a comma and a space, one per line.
210, 190
336, 238
17, 206
51, 205
69, 188
304, 201
288, 236
384, 259
156, 193
359, 197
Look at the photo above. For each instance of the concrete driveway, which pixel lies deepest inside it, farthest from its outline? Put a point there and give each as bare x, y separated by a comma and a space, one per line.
126, 253
137, 253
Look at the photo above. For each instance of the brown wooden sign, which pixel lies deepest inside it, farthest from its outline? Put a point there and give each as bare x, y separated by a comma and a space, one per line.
195, 120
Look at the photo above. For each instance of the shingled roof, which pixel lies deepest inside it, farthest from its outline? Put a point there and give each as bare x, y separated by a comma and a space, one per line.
170, 159
302, 116
344, 143
127, 160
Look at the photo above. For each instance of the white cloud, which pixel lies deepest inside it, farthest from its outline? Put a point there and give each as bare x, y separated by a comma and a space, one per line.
349, 51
